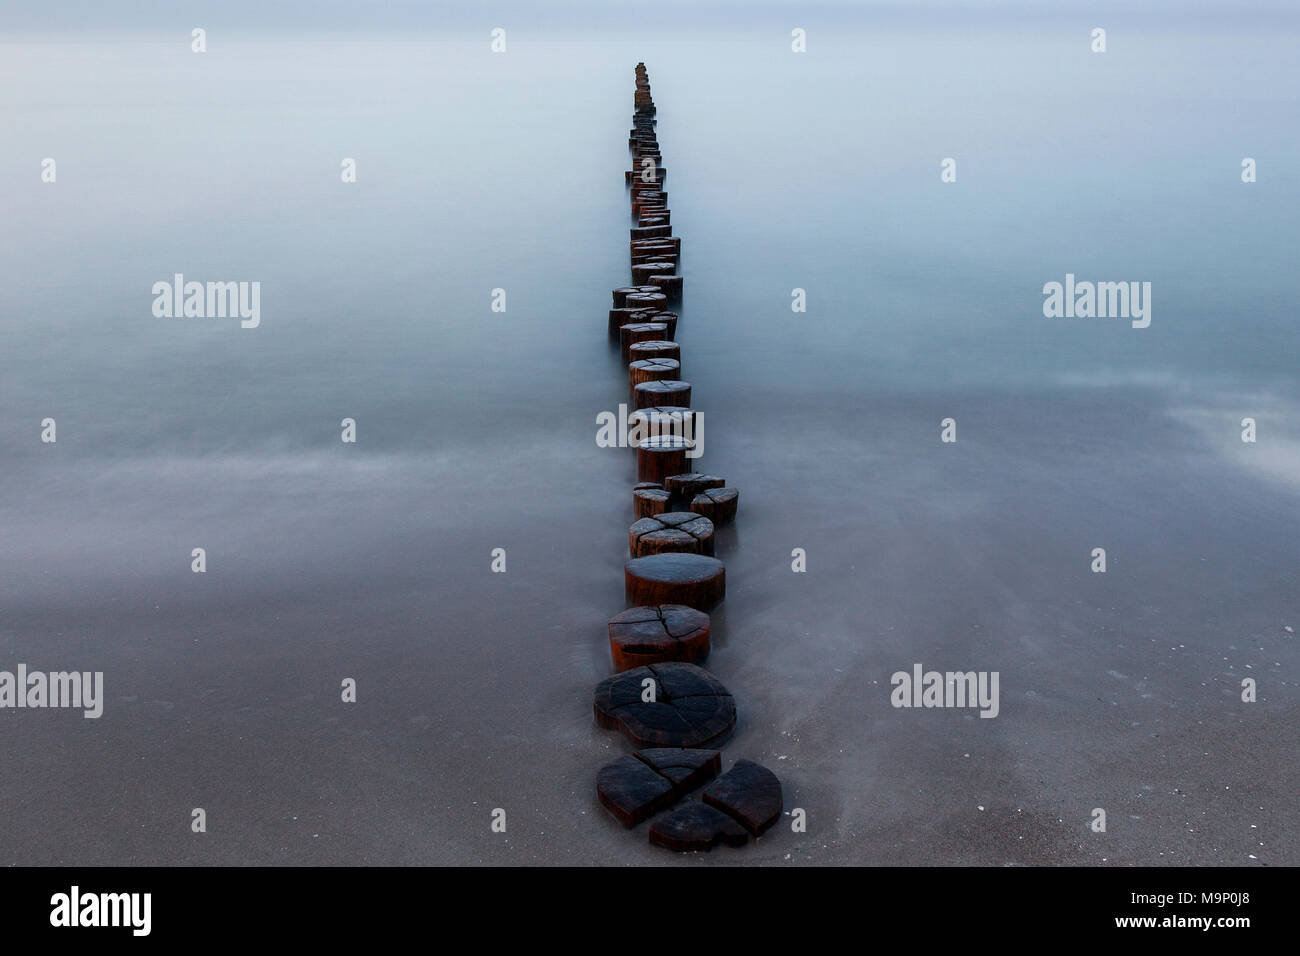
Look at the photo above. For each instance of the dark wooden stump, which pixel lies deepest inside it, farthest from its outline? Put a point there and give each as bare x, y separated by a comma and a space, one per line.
667, 267
671, 531
632, 791
640, 332
695, 580
653, 635
634, 175
620, 295
641, 255
651, 370
667, 318
650, 394
649, 194
636, 786
696, 828
651, 203
659, 256
649, 260
663, 251
686, 487
687, 768
646, 301
625, 316
660, 456
671, 284
674, 241
661, 420
649, 253
717, 504
690, 708
749, 793
649, 232
649, 500
642, 208
642, 272
655, 349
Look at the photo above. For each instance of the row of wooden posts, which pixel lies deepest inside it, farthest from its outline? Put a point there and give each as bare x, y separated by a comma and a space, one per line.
670, 708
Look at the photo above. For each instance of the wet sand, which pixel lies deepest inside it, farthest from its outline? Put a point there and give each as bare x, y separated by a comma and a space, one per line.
1118, 691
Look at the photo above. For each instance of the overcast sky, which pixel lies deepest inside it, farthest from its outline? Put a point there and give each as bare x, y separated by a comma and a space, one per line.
54, 18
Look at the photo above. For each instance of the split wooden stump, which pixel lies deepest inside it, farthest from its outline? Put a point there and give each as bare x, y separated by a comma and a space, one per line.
659, 456
621, 317
687, 486
666, 705
655, 349
749, 793
644, 198
646, 423
642, 272
652, 251
620, 295
696, 827
682, 531
635, 332
670, 392
657, 634
652, 204
646, 301
671, 284
649, 498
658, 255
717, 504
667, 318
651, 370
741, 803
659, 173
636, 786
650, 232
672, 242
624, 316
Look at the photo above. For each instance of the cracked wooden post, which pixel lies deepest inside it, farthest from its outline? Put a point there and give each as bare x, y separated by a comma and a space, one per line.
651, 370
